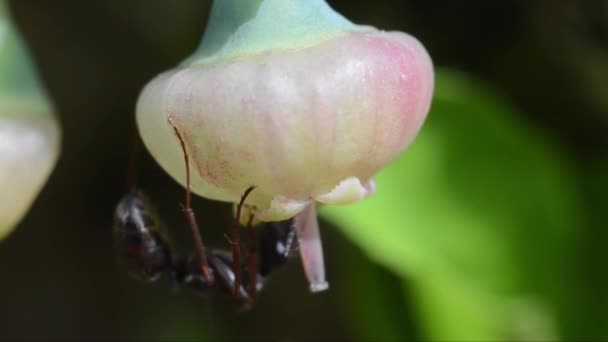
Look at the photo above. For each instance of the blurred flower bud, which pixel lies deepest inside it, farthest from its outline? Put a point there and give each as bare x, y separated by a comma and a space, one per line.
29, 135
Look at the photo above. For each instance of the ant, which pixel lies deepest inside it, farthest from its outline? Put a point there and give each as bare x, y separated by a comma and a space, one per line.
148, 255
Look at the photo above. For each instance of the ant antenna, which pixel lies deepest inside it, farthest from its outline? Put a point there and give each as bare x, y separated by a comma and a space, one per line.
234, 242
194, 230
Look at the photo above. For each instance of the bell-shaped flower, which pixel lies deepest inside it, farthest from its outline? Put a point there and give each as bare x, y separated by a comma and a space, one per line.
29, 134
291, 97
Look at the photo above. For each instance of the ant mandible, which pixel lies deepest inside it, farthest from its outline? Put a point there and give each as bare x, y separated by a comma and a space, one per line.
147, 254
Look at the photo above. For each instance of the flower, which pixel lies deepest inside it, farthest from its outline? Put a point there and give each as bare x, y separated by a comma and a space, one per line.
29, 147
288, 96
29, 133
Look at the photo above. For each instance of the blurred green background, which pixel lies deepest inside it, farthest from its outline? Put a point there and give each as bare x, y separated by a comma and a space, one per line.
491, 227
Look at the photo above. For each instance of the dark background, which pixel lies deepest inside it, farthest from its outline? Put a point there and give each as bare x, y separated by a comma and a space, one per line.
59, 275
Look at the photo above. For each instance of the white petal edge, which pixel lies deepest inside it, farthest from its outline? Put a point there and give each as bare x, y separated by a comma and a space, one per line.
348, 191
281, 208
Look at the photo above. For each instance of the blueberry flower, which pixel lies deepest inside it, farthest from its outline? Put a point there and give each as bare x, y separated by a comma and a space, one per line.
291, 97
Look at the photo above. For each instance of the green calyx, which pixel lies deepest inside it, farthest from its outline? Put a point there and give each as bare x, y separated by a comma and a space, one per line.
246, 27
18, 80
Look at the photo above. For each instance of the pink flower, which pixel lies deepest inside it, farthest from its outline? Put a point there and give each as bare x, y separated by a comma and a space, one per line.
306, 119
301, 125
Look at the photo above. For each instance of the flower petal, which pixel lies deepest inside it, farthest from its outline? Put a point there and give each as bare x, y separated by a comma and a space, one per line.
282, 208
348, 191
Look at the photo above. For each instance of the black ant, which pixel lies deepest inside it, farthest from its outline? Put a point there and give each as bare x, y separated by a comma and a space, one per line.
148, 255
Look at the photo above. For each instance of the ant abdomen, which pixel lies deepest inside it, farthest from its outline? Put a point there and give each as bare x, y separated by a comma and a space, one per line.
138, 242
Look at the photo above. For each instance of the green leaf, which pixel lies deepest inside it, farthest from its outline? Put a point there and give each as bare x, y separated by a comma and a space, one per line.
478, 214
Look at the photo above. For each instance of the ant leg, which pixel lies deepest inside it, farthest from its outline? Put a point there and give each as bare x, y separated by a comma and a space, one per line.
252, 260
194, 230
234, 243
